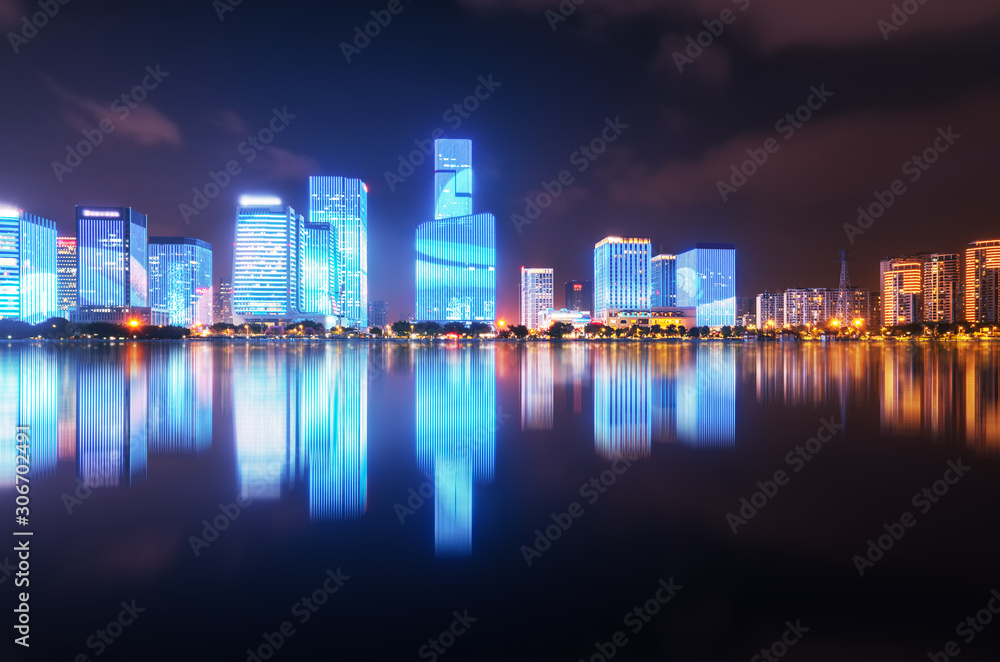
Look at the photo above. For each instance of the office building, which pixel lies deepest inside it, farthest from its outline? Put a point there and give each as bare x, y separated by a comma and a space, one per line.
335, 251
706, 280
222, 309
770, 310
456, 269
266, 282
452, 178
663, 281
901, 280
942, 288
536, 295
66, 276
180, 280
982, 282
621, 275
28, 281
378, 314
112, 267
580, 295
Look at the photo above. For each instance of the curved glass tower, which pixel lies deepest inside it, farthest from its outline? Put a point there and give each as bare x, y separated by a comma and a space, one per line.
456, 269
452, 178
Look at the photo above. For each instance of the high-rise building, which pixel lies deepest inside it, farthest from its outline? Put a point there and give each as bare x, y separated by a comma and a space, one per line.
112, 266
222, 309
812, 306
580, 295
770, 310
536, 295
28, 281
982, 281
266, 278
66, 276
452, 178
663, 281
456, 263
378, 314
901, 280
706, 279
621, 275
180, 279
335, 250
942, 288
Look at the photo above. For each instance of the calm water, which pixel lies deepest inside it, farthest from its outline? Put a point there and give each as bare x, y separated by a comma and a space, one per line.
542, 490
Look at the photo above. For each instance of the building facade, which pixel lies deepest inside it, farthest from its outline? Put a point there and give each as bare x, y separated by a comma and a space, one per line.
456, 269
812, 306
706, 280
621, 275
580, 295
982, 282
112, 265
266, 279
942, 288
66, 276
28, 280
770, 310
536, 296
180, 280
663, 281
378, 314
335, 250
222, 309
902, 283
452, 178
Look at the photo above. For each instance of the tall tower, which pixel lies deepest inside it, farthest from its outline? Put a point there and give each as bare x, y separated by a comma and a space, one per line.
112, 261
452, 178
621, 275
266, 280
536, 295
843, 293
336, 262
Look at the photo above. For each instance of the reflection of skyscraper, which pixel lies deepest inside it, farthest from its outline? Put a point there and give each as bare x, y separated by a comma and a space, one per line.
536, 387
262, 422
452, 178
706, 397
180, 279
536, 295
456, 436
66, 276
180, 398
112, 276
622, 416
621, 275
706, 279
456, 261
28, 283
28, 399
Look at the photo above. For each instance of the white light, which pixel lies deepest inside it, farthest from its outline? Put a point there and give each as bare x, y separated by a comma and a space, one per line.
10, 212
259, 201
97, 213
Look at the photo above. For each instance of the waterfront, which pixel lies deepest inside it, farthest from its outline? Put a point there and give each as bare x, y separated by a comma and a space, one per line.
216, 484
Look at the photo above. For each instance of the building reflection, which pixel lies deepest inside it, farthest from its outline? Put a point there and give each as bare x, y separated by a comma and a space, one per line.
537, 389
623, 423
456, 435
982, 399
706, 397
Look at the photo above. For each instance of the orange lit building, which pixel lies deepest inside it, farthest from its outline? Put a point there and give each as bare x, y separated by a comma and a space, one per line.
982, 281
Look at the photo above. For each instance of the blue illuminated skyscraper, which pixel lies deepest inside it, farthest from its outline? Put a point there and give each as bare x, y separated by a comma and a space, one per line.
706, 279
28, 282
112, 281
456, 262
266, 268
180, 279
621, 275
452, 178
335, 250
663, 281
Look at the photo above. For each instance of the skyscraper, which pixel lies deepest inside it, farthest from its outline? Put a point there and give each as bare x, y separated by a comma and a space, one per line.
663, 281
770, 310
452, 178
706, 279
621, 275
901, 280
112, 263
180, 279
266, 281
223, 305
942, 288
378, 313
66, 276
580, 295
456, 262
28, 282
982, 281
335, 250
536, 295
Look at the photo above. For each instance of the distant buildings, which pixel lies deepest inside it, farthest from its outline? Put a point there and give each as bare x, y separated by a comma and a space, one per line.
663, 281
770, 310
456, 252
378, 314
982, 282
335, 250
28, 281
942, 288
706, 280
112, 263
815, 306
662, 317
222, 308
536, 296
180, 279
580, 295
66, 276
621, 275
746, 311
925, 287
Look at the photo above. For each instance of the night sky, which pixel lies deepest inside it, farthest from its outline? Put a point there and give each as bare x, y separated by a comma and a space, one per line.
557, 89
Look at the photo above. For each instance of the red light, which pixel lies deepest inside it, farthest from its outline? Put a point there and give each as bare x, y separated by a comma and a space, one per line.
578, 288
